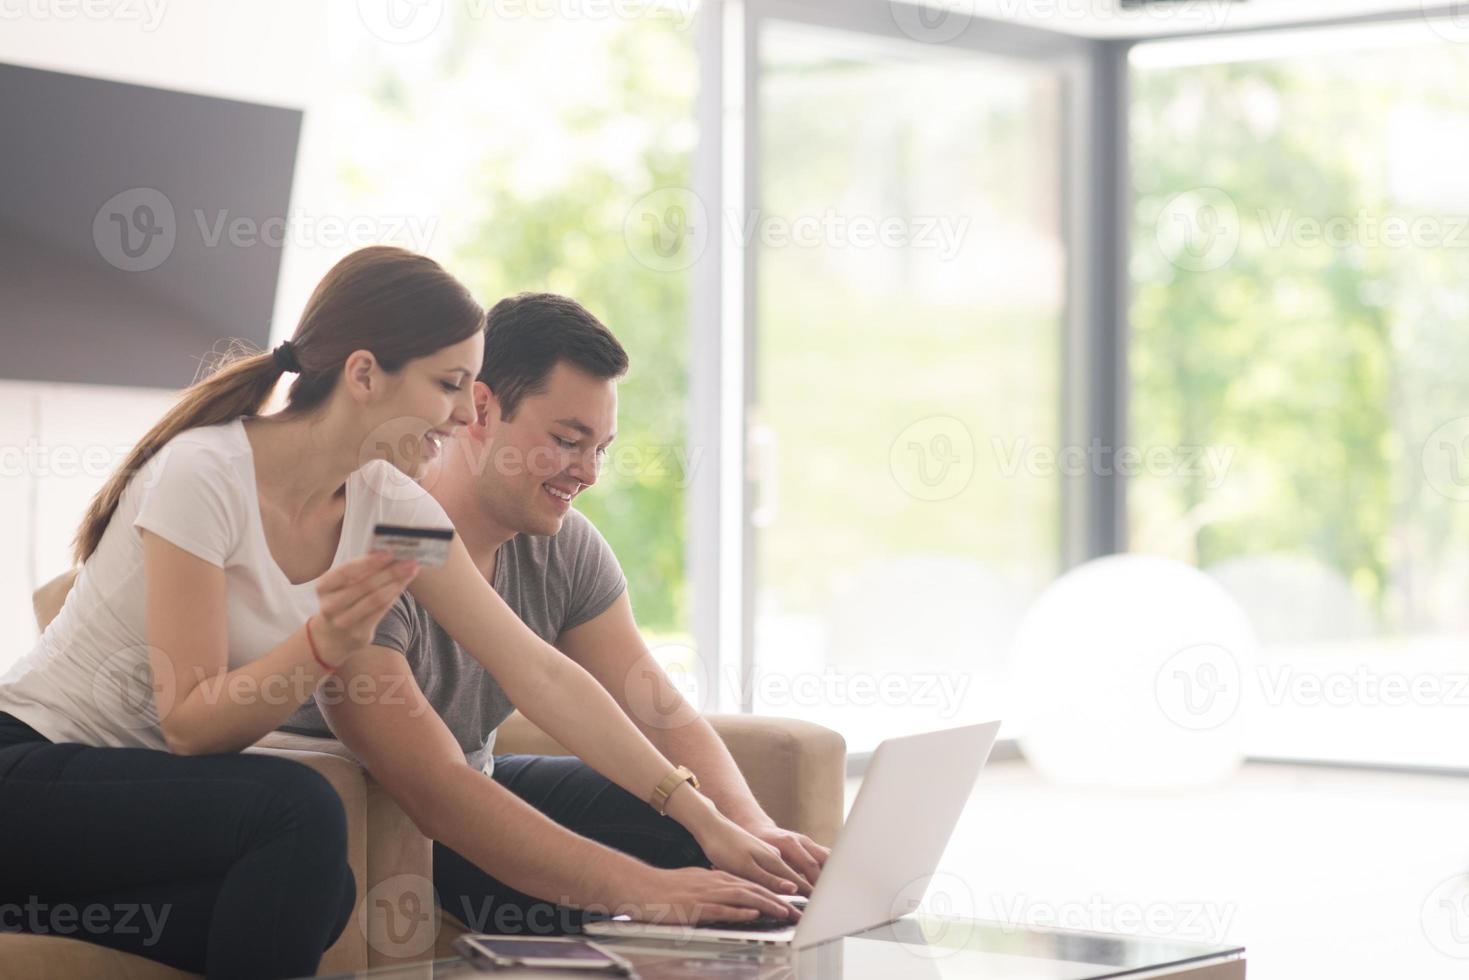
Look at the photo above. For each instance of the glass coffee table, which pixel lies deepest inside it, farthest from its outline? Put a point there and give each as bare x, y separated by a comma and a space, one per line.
916, 947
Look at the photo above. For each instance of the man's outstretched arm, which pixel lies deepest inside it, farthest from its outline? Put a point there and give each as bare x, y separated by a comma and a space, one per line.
612, 650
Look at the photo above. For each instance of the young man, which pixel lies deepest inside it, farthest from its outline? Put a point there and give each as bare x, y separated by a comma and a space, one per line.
551, 827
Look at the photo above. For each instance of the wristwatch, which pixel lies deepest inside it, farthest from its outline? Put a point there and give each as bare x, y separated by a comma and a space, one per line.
664, 790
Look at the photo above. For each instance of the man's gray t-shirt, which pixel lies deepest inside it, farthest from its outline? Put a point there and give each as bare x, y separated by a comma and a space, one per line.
552, 583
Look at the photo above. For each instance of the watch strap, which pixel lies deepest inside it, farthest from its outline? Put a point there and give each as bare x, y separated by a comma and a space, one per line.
661, 793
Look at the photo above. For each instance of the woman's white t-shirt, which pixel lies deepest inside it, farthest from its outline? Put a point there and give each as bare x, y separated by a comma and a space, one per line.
87, 679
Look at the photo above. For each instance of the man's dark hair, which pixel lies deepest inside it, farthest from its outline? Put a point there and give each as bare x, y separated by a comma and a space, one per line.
528, 335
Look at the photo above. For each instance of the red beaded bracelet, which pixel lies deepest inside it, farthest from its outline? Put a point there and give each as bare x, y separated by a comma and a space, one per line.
312, 644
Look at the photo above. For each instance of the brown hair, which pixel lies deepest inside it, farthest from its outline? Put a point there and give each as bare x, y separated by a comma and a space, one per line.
396, 304
527, 335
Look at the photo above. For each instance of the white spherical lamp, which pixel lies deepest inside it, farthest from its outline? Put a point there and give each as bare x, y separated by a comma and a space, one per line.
1131, 670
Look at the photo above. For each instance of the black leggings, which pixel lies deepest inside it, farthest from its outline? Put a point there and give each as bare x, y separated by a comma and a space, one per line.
231, 865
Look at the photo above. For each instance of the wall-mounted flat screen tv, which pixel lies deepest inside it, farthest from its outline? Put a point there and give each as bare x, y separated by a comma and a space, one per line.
139, 227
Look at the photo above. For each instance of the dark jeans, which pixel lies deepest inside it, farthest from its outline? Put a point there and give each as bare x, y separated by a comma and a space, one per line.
232, 865
577, 797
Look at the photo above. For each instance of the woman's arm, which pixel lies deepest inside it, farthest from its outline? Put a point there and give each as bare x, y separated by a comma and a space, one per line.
557, 694
612, 650
550, 689
203, 706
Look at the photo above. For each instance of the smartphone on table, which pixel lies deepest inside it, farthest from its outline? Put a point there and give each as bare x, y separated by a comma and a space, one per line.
543, 952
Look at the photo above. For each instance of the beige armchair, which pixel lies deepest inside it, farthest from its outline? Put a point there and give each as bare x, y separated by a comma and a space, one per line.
795, 769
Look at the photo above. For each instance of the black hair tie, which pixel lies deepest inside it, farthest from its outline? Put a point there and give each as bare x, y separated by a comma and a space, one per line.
285, 357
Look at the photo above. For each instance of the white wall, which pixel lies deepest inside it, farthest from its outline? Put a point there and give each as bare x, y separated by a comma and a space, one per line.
263, 51
17, 422
58, 443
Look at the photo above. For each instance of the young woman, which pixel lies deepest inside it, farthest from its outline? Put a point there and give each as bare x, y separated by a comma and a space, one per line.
226, 562
229, 552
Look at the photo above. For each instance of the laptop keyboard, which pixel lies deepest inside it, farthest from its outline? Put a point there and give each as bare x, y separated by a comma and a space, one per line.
761, 923
764, 923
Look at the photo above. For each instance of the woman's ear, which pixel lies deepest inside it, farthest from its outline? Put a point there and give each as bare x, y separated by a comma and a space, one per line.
361, 375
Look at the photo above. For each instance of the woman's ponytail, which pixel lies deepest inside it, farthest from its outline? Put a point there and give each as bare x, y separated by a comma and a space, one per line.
238, 385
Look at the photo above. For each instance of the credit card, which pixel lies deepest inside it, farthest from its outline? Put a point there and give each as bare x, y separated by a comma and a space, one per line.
429, 546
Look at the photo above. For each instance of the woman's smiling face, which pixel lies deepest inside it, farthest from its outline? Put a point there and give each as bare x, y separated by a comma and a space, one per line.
426, 401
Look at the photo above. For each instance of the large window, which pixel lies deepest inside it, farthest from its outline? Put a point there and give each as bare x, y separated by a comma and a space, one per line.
1300, 261
911, 289
520, 142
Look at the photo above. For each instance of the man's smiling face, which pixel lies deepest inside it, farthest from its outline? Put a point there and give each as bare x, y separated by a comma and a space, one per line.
548, 451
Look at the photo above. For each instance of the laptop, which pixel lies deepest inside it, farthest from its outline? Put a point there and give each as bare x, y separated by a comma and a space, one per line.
910, 801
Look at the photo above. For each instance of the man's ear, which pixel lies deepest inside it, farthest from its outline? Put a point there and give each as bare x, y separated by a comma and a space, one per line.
486, 406
361, 375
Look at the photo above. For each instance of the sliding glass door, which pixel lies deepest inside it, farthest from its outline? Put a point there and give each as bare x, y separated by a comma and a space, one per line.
1301, 247
908, 308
